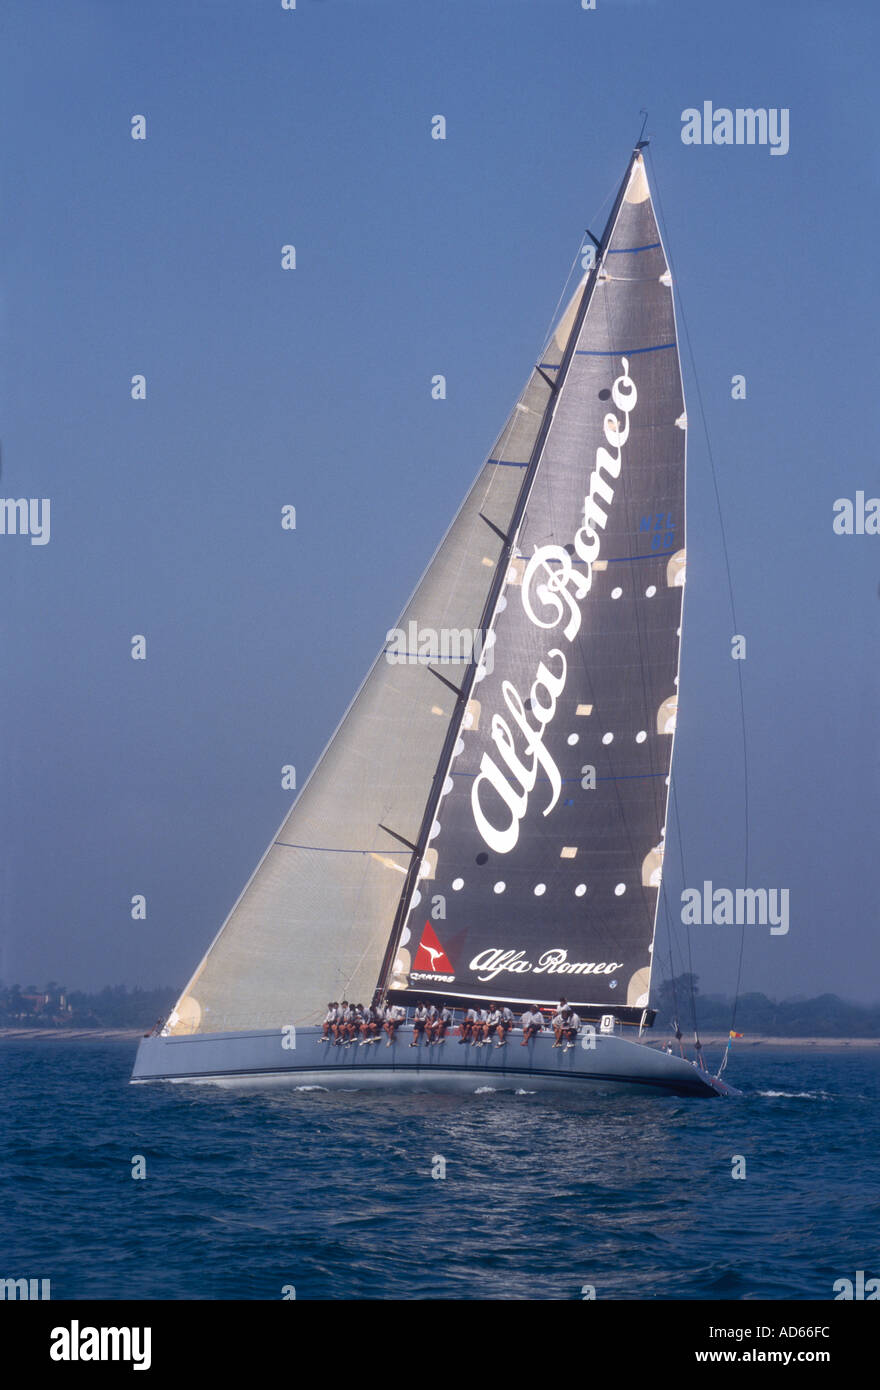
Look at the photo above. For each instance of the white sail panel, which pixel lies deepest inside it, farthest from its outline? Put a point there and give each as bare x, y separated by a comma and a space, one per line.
314, 920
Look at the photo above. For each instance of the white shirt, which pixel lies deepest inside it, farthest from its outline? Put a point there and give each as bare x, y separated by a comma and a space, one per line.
558, 1021
494, 1017
573, 1021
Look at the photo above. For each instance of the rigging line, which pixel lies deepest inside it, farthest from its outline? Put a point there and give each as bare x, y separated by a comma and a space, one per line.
684, 885
594, 218
677, 1014
729, 590
548, 334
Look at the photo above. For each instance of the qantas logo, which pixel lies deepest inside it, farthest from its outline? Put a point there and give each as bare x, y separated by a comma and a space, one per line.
431, 962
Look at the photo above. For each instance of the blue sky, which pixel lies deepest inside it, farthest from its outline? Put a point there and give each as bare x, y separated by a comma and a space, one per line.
312, 387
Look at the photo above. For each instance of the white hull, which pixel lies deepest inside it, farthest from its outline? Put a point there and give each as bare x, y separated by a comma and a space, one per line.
599, 1063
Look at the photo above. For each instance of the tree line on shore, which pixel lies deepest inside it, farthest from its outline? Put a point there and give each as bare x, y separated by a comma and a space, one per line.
824, 1016
54, 1006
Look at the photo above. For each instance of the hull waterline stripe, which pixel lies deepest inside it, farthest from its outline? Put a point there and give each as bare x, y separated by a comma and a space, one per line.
415, 1068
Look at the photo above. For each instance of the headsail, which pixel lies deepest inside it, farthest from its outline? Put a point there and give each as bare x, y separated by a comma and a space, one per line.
315, 918
545, 853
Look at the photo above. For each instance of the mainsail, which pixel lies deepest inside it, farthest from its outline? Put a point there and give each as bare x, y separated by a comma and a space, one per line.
314, 919
544, 850
447, 840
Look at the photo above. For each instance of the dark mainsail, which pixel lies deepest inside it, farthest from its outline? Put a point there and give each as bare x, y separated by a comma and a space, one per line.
541, 849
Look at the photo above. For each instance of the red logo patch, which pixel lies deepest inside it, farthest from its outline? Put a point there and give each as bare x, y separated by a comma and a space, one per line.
431, 955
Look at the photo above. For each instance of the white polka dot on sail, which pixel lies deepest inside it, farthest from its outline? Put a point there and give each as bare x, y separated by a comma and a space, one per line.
540, 889
620, 890
457, 883
499, 886
608, 738
650, 591
580, 890
615, 593
641, 736
572, 740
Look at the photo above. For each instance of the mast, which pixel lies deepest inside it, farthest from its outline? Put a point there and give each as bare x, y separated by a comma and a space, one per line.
501, 569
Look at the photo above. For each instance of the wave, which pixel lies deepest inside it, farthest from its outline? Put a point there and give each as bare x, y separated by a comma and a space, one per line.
798, 1095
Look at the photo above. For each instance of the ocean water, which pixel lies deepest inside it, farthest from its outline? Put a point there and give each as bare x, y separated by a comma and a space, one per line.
246, 1193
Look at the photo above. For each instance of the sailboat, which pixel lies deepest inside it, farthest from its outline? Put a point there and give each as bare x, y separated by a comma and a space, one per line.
486, 827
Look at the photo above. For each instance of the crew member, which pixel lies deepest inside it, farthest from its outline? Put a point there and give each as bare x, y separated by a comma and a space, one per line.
532, 1023
441, 1024
338, 1029
329, 1020
504, 1026
394, 1016
571, 1029
468, 1024
420, 1022
493, 1018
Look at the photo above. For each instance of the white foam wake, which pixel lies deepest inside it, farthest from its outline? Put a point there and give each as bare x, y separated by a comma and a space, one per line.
797, 1095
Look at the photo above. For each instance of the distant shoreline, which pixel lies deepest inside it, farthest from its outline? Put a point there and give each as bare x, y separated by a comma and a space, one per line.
69, 1034
766, 1040
753, 1040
